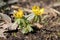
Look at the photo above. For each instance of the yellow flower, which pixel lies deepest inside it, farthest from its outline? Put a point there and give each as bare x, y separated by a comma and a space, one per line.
37, 11
41, 11
18, 14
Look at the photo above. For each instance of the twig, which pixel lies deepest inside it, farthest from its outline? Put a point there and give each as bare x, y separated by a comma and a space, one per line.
53, 10
54, 4
28, 10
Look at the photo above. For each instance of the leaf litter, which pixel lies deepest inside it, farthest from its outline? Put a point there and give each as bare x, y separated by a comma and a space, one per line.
48, 29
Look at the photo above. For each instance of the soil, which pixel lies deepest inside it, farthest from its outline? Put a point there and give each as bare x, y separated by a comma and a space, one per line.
48, 32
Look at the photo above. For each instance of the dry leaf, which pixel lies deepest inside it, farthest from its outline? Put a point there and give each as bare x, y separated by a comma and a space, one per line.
6, 25
13, 26
38, 25
2, 33
5, 17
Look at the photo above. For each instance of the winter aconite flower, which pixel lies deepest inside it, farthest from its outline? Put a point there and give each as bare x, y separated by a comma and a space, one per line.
18, 14
23, 24
37, 11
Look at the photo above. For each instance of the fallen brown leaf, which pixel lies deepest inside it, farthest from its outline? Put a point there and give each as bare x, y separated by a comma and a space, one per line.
38, 25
